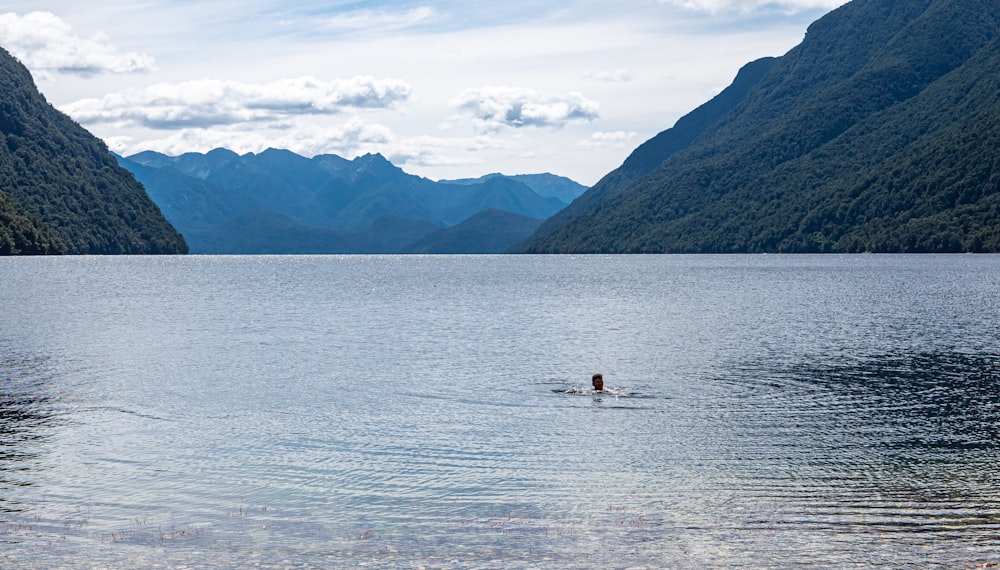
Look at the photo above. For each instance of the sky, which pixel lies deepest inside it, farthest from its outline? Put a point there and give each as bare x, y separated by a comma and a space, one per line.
443, 88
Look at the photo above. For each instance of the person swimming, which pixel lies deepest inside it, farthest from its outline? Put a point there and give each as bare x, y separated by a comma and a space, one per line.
598, 381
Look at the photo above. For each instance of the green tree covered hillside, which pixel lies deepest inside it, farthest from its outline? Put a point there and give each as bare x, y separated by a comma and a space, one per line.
65, 183
22, 234
878, 133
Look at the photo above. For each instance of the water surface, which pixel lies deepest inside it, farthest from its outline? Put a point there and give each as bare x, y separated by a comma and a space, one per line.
405, 411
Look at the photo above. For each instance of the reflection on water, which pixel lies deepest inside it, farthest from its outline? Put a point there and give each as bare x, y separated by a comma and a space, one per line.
26, 414
904, 447
924, 402
927, 403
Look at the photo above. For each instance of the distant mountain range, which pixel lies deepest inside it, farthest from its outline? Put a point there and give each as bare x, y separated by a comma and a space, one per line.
279, 202
60, 189
878, 133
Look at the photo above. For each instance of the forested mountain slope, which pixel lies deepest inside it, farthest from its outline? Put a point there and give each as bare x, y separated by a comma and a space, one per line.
877, 133
653, 152
22, 234
63, 180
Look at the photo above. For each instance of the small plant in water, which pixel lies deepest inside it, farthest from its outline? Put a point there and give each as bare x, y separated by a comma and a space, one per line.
175, 533
364, 534
241, 512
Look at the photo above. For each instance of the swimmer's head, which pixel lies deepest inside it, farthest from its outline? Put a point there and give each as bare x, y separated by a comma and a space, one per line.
598, 381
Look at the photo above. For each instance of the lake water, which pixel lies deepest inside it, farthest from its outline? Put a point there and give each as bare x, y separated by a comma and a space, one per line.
384, 411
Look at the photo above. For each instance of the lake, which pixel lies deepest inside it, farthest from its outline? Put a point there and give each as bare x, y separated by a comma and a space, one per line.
412, 411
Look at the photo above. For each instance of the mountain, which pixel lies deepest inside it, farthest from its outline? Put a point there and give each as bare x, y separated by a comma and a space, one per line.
390, 235
653, 152
61, 189
489, 231
265, 233
226, 203
545, 185
877, 133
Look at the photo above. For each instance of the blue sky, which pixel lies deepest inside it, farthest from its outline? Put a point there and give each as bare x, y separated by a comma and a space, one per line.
444, 89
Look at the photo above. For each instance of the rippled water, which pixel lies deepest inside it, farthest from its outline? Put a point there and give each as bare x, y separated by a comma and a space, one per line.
341, 412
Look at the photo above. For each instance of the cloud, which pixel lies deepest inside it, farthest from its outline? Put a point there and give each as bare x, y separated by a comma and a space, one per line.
352, 138
748, 6
616, 76
45, 44
432, 151
302, 136
493, 108
211, 102
614, 139
307, 138
366, 20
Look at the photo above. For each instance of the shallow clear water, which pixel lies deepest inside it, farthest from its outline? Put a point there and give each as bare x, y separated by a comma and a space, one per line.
340, 412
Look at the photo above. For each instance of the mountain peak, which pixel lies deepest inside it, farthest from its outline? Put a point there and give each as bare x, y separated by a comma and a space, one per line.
376, 164
218, 153
371, 158
279, 152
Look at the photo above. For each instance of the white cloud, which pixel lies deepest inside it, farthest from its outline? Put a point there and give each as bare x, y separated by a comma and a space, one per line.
616, 76
352, 138
493, 108
613, 139
368, 20
308, 138
748, 6
211, 102
429, 151
45, 43
301, 135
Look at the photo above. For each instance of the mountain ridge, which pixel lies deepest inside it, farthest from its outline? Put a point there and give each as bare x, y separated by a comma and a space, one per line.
651, 153
808, 160
363, 205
